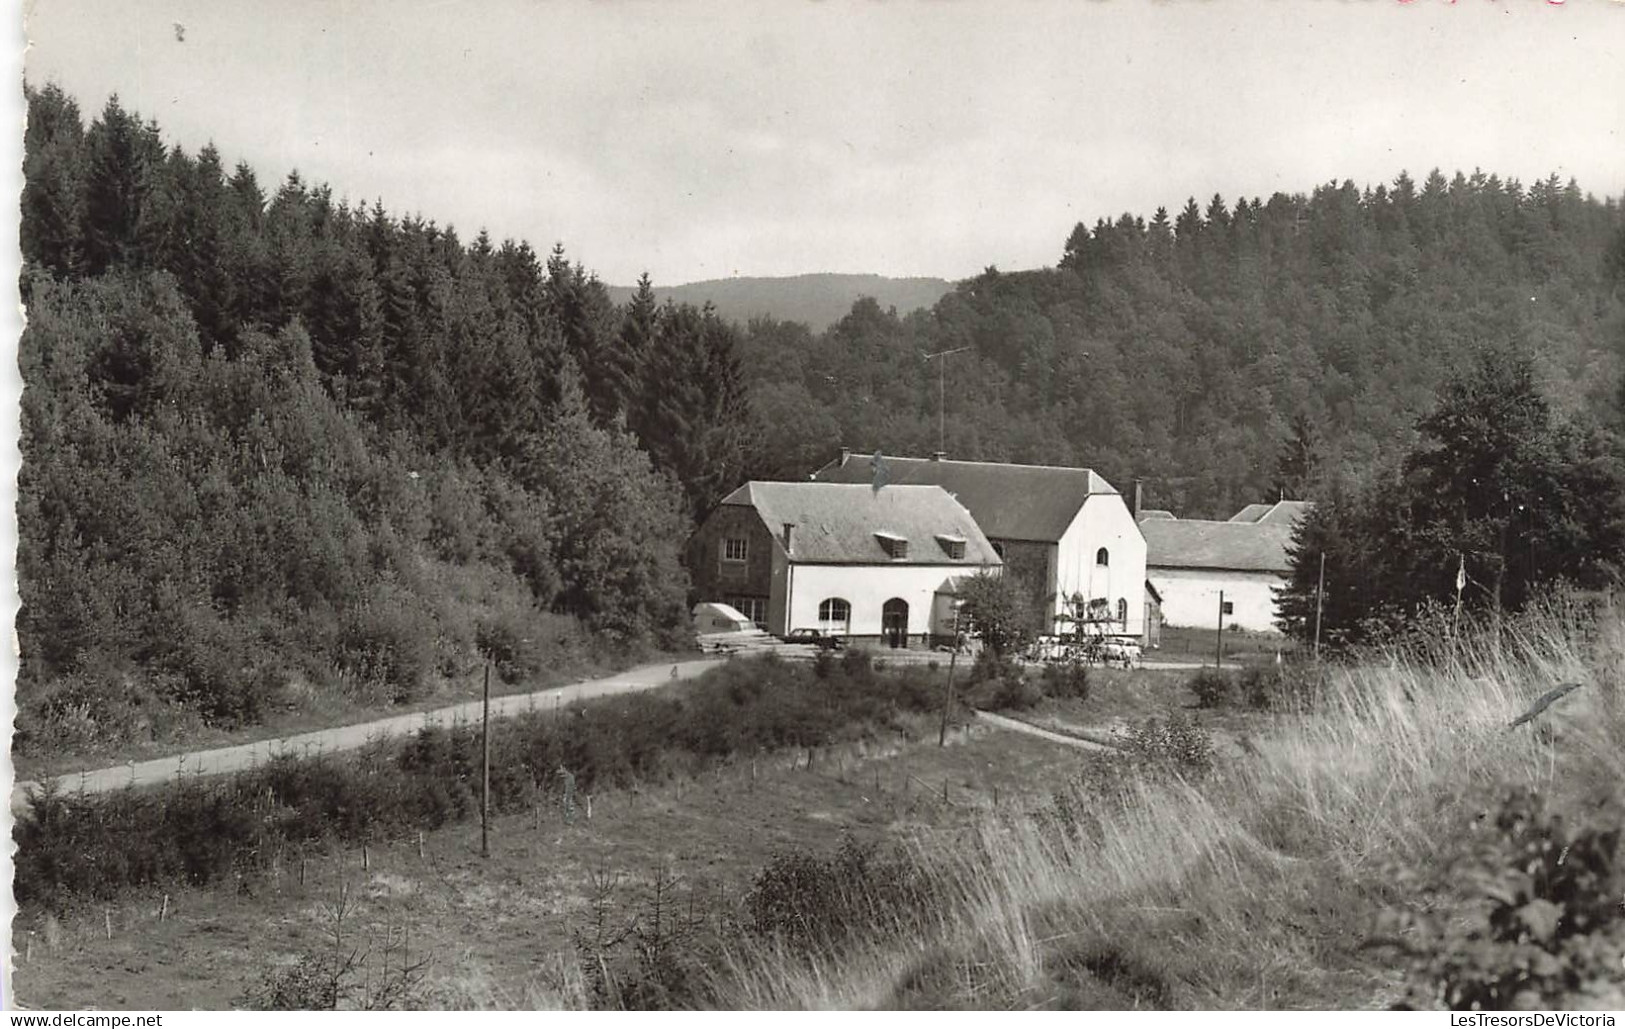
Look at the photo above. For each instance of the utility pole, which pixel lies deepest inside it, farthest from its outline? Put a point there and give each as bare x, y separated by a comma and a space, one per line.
485, 765
942, 391
1320, 595
1218, 653
953, 655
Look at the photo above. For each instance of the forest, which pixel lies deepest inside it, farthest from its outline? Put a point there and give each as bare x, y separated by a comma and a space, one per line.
277, 442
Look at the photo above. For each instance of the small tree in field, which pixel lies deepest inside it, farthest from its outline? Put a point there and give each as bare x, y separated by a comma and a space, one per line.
996, 609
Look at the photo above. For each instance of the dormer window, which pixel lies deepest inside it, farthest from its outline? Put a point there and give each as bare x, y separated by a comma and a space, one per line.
953, 546
896, 546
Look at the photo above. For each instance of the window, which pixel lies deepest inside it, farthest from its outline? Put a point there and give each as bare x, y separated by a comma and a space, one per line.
998, 548
735, 549
1102, 558
953, 546
754, 608
896, 546
1122, 612
834, 615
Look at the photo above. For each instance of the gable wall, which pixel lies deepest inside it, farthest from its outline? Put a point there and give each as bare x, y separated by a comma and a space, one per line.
718, 580
1104, 521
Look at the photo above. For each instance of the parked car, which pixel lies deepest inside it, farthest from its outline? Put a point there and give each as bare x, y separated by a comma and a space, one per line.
823, 641
1120, 652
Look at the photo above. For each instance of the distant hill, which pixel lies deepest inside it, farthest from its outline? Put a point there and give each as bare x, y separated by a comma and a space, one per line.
818, 300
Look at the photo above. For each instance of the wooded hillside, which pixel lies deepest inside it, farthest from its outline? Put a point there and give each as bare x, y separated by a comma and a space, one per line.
276, 444
1193, 350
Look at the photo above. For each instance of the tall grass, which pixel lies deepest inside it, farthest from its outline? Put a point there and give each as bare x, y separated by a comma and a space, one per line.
1258, 886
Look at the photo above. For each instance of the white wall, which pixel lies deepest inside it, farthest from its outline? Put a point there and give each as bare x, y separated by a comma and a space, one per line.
1104, 521
1190, 597
867, 588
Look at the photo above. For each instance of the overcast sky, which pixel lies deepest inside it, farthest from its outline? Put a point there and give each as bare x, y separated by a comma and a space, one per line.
707, 139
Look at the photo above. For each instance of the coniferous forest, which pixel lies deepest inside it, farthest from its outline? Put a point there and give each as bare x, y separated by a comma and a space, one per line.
280, 445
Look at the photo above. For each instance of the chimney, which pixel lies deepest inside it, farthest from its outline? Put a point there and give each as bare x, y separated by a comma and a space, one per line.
789, 535
939, 455
846, 452
1139, 494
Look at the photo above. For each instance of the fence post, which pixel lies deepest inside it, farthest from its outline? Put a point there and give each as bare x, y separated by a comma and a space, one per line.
485, 765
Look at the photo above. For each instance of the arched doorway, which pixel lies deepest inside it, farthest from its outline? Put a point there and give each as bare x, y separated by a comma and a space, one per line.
894, 622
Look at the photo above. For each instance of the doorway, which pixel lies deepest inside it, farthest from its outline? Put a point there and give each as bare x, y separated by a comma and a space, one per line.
894, 623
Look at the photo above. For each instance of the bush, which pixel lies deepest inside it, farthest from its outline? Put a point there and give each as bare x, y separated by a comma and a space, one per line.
1177, 745
1065, 680
1260, 686
810, 901
386, 649
1015, 693
1551, 934
1212, 687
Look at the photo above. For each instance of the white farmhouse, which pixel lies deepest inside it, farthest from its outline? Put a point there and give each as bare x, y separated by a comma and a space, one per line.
873, 565
1065, 533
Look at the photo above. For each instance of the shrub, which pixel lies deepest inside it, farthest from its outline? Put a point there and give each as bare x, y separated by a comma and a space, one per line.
1176, 745
386, 649
1260, 686
810, 901
1549, 933
1065, 680
1212, 687
1015, 692
857, 664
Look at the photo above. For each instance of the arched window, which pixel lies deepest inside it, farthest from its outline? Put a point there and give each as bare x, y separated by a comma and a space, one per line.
1102, 558
834, 615
1122, 612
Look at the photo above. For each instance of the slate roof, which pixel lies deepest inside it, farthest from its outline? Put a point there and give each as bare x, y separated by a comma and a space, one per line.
1009, 501
1285, 512
837, 523
1232, 546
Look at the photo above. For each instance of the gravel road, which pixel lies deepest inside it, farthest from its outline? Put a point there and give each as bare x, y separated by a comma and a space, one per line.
349, 737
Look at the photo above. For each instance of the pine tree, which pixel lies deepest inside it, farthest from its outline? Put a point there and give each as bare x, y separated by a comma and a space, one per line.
53, 181
120, 222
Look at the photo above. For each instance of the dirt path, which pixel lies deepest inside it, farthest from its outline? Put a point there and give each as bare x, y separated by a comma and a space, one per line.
1015, 725
349, 737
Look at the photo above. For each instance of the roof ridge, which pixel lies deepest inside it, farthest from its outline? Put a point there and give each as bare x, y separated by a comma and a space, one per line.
993, 464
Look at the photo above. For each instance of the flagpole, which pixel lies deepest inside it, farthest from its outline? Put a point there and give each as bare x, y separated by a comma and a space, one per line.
1320, 595
1461, 580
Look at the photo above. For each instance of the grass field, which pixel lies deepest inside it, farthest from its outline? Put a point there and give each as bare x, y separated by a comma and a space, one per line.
1258, 879
497, 932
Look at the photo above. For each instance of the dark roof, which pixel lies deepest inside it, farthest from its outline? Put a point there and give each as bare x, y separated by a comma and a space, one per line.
838, 523
1283, 513
1009, 501
1287, 512
1235, 546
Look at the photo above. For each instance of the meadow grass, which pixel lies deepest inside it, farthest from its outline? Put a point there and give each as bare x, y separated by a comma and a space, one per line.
1258, 886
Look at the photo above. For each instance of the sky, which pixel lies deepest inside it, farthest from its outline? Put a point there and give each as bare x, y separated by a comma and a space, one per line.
698, 139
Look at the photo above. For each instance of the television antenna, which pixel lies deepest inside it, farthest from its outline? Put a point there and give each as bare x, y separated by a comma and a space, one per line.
941, 357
